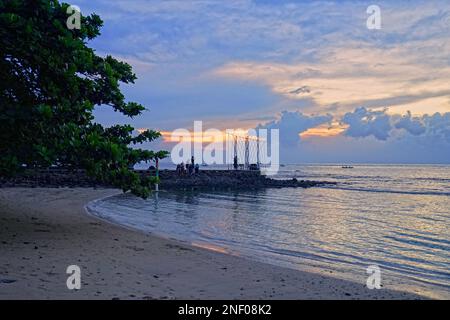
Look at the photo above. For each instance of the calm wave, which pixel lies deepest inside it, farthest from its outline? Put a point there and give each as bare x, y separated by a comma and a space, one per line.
396, 217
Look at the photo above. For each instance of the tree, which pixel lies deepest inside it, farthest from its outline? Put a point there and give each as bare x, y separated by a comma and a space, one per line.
50, 82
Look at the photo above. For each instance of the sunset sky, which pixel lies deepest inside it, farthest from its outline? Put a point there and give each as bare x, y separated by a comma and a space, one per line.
337, 91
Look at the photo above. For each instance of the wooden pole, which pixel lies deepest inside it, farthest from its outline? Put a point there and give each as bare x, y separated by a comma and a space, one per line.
157, 175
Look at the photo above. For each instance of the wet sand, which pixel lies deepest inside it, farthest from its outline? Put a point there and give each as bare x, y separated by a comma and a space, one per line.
43, 231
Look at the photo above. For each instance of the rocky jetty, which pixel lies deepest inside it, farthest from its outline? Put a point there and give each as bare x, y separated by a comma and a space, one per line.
170, 180
229, 179
51, 178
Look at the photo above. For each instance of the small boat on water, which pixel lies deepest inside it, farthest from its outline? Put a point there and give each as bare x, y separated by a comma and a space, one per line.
347, 167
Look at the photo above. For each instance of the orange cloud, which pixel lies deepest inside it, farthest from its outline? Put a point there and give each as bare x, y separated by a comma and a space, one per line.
351, 77
324, 131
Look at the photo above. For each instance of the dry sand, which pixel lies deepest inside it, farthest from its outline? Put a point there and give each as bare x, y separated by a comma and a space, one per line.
43, 231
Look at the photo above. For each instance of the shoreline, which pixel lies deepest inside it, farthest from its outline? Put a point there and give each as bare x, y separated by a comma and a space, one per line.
38, 242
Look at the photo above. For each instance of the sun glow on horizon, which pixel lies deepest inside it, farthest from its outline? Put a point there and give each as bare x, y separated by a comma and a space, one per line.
206, 136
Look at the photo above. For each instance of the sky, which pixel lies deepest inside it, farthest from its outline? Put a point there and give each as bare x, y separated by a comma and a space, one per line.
337, 90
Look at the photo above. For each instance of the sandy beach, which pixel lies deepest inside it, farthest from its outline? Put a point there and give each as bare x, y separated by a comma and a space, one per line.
43, 231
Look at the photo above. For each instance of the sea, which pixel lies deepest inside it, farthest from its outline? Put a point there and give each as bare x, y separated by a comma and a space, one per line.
393, 217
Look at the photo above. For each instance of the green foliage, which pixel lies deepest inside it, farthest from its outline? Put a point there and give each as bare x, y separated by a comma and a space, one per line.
50, 82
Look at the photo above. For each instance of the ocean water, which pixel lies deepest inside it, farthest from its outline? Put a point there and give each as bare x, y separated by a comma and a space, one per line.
395, 217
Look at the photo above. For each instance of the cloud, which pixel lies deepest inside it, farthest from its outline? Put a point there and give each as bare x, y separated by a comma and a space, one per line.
292, 124
364, 123
301, 90
438, 126
286, 46
360, 75
381, 125
415, 125
377, 137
